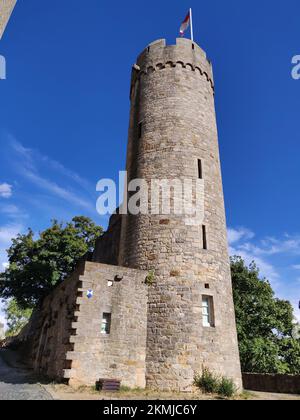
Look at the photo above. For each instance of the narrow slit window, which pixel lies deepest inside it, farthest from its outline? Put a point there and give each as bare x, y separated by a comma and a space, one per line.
200, 172
208, 312
140, 129
204, 236
106, 323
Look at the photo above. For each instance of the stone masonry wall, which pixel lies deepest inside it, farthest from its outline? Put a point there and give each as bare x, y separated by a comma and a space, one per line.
172, 126
46, 339
108, 245
63, 339
121, 354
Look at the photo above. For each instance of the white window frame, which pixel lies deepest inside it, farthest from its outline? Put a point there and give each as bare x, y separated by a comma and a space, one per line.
208, 320
106, 323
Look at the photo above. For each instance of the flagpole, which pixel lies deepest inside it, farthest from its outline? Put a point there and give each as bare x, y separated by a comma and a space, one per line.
192, 29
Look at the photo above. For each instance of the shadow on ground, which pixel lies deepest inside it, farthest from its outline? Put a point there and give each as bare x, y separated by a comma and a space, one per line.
19, 383
13, 371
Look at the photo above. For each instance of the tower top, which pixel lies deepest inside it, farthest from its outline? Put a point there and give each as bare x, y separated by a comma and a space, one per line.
185, 54
181, 43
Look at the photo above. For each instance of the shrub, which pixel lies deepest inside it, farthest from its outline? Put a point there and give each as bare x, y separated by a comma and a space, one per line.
207, 382
150, 279
227, 388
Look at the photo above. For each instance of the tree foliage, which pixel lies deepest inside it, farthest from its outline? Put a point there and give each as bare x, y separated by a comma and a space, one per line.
265, 324
16, 317
36, 266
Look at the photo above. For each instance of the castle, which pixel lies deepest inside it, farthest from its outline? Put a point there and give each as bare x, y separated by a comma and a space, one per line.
109, 319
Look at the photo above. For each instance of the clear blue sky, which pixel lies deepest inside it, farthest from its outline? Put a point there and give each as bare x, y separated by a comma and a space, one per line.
64, 113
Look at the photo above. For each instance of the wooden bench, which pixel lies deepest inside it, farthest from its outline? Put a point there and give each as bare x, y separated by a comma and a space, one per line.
108, 385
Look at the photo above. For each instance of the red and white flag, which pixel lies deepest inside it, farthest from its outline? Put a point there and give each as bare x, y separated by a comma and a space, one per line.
185, 24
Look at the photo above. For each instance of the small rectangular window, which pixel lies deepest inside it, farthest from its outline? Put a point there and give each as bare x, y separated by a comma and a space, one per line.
140, 129
204, 236
208, 312
200, 174
106, 322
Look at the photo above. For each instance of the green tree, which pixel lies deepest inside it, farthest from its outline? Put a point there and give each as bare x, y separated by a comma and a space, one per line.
290, 351
16, 317
265, 324
36, 266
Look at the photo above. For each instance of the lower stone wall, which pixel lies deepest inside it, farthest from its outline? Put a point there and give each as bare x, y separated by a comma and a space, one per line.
283, 384
63, 339
121, 355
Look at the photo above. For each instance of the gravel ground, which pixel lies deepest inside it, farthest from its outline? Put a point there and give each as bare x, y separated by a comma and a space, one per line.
62, 392
19, 384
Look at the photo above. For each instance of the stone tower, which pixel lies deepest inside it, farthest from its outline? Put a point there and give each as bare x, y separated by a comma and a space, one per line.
108, 320
173, 134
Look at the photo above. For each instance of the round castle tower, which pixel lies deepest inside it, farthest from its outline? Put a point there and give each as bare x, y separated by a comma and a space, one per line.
173, 135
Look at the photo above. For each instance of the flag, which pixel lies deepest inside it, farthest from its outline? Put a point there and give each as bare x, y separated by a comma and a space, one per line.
185, 24
90, 294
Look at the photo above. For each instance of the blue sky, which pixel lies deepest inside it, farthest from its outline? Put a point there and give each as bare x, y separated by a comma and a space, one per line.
64, 114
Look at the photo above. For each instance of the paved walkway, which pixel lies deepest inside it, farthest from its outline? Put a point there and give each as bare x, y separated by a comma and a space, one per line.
18, 384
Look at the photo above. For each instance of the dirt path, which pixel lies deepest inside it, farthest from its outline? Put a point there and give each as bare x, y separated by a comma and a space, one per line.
19, 384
